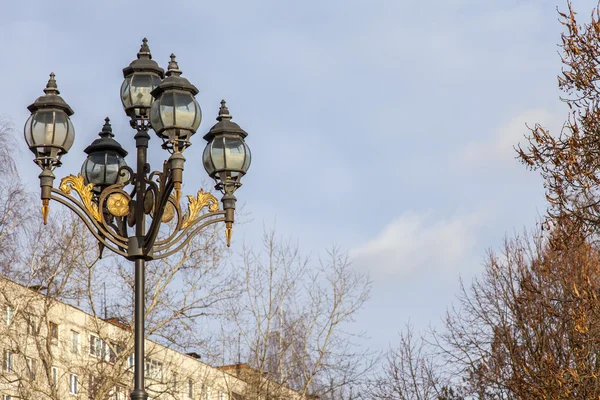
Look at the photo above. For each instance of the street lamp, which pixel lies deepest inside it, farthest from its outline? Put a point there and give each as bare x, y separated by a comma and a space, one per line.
105, 159
118, 218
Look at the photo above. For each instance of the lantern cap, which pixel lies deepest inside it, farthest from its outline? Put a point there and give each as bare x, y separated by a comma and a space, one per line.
51, 98
106, 142
224, 124
144, 62
174, 81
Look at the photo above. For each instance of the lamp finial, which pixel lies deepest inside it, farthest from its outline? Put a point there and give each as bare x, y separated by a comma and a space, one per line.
173, 68
106, 129
144, 50
223, 111
51, 86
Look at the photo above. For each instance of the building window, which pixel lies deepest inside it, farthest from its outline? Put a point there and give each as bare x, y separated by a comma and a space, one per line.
154, 369
31, 368
9, 313
113, 350
175, 384
190, 389
95, 346
74, 342
54, 376
206, 392
73, 384
6, 397
131, 361
99, 348
53, 332
94, 383
7, 364
118, 393
32, 325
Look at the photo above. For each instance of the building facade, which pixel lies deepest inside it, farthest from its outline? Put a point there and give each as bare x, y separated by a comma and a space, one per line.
52, 350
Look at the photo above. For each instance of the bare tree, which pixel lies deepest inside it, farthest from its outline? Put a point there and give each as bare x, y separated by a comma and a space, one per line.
529, 327
292, 323
15, 202
412, 371
570, 162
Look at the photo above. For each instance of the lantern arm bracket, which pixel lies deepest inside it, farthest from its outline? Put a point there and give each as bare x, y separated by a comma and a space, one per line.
185, 222
181, 235
94, 208
102, 235
125, 169
155, 188
172, 202
162, 192
188, 234
118, 227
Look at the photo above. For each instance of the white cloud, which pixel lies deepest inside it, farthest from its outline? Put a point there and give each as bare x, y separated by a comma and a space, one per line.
415, 243
499, 148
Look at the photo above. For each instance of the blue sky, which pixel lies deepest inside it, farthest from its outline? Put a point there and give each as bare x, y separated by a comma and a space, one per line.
383, 127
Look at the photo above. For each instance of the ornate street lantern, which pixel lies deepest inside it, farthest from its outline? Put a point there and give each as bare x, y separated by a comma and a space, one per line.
105, 158
142, 76
175, 115
49, 132
130, 221
226, 156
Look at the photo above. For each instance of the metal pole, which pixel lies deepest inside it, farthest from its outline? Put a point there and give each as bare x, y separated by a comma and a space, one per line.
139, 392
139, 389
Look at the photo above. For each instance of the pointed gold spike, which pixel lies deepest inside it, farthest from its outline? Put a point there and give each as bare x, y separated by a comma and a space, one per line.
45, 210
177, 192
228, 231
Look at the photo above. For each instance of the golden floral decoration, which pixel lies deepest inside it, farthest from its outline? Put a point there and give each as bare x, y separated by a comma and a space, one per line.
84, 191
196, 204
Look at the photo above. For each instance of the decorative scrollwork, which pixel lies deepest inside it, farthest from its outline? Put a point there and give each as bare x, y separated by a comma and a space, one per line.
118, 204
196, 204
84, 191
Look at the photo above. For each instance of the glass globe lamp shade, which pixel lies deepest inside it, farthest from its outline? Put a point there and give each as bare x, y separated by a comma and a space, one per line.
49, 134
142, 76
102, 169
135, 93
48, 131
226, 157
175, 116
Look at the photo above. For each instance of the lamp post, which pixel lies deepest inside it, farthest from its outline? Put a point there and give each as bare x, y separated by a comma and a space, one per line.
128, 221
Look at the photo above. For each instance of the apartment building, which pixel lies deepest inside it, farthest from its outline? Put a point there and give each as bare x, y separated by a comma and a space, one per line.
52, 350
